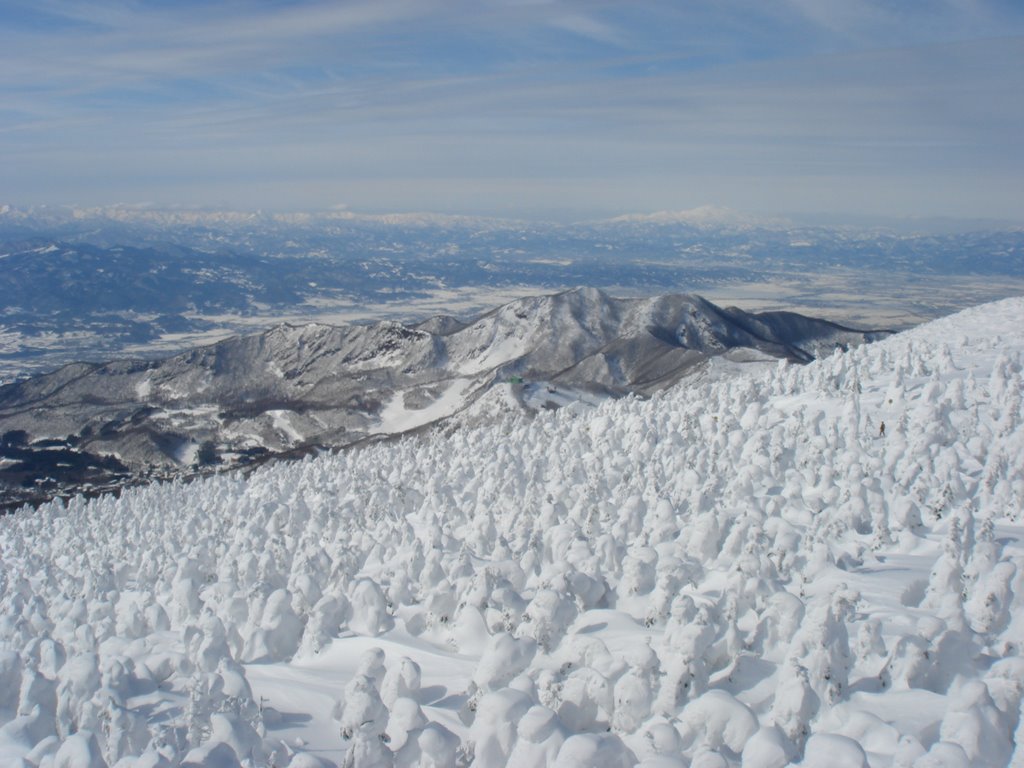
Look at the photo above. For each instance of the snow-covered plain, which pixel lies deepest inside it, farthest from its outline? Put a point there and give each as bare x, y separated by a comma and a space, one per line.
736, 572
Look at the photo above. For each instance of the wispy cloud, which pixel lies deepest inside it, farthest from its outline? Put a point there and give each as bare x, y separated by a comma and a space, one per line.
588, 27
751, 101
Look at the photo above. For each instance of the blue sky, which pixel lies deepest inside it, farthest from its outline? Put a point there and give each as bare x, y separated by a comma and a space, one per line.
535, 108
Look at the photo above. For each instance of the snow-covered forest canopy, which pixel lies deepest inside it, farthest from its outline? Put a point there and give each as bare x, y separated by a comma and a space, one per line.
741, 572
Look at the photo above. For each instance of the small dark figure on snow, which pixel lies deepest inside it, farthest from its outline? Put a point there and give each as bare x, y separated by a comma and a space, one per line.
881, 430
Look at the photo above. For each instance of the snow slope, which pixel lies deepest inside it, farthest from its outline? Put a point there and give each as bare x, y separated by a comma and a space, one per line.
294, 387
740, 572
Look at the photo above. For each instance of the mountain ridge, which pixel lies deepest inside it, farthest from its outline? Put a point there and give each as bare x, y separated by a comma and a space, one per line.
102, 289
319, 385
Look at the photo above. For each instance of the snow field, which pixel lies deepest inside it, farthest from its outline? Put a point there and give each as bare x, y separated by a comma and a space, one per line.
738, 572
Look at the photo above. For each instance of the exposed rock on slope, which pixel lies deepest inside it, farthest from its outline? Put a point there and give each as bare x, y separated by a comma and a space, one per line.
316, 385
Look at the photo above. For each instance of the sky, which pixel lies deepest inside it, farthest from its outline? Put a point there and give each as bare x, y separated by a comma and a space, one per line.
552, 109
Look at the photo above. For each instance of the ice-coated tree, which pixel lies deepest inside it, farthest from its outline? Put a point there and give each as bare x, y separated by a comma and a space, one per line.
768, 748
822, 645
717, 720
830, 750
373, 665
633, 695
279, 632
991, 597
547, 617
405, 717
325, 621
370, 614
539, 736
592, 750
503, 658
79, 750
686, 671
493, 733
367, 750
639, 572
10, 679
586, 700
402, 680
431, 746
362, 710
78, 681
975, 723
870, 647
795, 703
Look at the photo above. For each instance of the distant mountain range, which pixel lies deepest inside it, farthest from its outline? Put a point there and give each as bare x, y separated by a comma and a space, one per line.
97, 284
295, 388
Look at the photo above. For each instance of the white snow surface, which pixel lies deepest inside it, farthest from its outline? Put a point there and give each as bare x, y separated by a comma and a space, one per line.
739, 571
397, 417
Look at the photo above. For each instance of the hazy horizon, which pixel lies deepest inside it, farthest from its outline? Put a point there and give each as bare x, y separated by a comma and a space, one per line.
535, 109
555, 217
